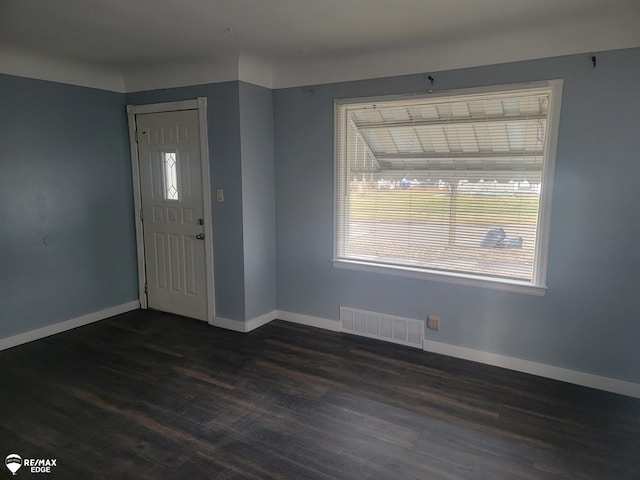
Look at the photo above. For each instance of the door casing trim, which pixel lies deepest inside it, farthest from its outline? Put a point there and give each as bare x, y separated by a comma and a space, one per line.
199, 104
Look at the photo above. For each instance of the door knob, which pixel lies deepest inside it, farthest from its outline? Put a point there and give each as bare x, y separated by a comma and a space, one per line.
200, 236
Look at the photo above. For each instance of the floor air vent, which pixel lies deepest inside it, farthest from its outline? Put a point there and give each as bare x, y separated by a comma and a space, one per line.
405, 331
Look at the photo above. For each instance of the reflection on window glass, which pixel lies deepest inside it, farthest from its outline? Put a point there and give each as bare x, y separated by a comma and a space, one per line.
448, 184
170, 176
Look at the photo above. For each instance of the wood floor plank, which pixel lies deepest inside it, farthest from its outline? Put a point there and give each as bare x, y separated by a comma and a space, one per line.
152, 395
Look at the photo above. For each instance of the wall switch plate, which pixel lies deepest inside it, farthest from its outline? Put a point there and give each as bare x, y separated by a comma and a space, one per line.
433, 322
220, 195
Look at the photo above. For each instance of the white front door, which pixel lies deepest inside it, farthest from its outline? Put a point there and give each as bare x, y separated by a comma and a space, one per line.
172, 212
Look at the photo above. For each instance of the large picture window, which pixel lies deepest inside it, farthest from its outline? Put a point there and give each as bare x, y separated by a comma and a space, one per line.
452, 186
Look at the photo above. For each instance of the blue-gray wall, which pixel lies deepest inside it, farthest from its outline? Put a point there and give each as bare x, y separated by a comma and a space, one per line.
66, 212
225, 160
67, 240
588, 320
258, 199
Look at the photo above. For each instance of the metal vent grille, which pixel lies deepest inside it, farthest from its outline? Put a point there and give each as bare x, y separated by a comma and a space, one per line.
405, 331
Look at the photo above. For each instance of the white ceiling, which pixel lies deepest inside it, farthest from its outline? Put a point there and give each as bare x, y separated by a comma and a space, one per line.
287, 42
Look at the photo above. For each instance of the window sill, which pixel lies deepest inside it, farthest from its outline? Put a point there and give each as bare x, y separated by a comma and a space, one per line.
467, 280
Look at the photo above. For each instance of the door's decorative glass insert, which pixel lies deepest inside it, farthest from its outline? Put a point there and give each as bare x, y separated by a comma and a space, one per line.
170, 171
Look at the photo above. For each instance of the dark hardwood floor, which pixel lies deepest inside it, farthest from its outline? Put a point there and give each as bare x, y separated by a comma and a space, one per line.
152, 395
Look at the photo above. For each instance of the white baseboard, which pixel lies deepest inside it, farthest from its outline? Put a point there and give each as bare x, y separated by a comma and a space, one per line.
38, 333
525, 366
235, 325
512, 363
534, 368
244, 327
261, 320
318, 322
252, 324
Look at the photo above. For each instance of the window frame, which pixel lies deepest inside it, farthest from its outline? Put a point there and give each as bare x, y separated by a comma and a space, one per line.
538, 284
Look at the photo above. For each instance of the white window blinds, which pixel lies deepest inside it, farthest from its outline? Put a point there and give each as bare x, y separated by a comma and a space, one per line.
445, 184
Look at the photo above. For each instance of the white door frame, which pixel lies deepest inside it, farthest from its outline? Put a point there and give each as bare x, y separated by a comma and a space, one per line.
199, 104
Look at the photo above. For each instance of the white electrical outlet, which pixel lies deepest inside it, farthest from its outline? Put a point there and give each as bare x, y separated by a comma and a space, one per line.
220, 195
433, 322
